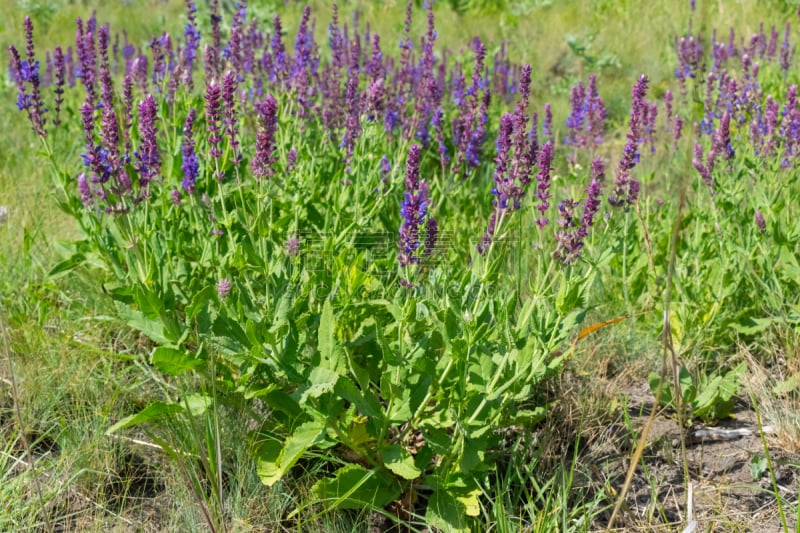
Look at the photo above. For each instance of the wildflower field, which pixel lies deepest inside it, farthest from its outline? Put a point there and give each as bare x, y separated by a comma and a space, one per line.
464, 265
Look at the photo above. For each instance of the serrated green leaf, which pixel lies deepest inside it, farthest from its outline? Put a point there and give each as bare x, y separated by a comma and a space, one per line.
152, 329
174, 362
321, 381
331, 354
366, 402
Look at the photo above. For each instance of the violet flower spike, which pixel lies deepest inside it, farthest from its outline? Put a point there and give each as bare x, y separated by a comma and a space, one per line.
213, 119
569, 241
60, 71
626, 188
84, 189
148, 162
190, 163
267, 119
702, 168
231, 120
547, 125
413, 210
545, 162
592, 203
431, 236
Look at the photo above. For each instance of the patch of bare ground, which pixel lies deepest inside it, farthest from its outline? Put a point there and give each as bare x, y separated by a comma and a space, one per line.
727, 493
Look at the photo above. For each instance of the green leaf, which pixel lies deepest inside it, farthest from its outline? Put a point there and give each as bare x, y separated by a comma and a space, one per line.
322, 381
66, 266
528, 418
786, 386
267, 458
389, 355
758, 466
753, 326
400, 462
174, 362
664, 395
470, 501
355, 487
366, 403
446, 512
271, 469
155, 411
152, 329
330, 352
197, 404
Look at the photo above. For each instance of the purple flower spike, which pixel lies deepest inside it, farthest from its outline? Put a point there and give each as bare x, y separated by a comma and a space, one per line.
84, 189
545, 161
267, 111
60, 70
576, 117
592, 203
626, 188
280, 67
148, 160
413, 210
431, 235
190, 163
26, 73
722, 137
786, 53
231, 120
547, 126
213, 119
569, 241
702, 168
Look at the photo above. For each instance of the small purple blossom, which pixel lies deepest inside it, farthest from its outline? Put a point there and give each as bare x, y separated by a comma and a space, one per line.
224, 287
84, 189
292, 246
761, 224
